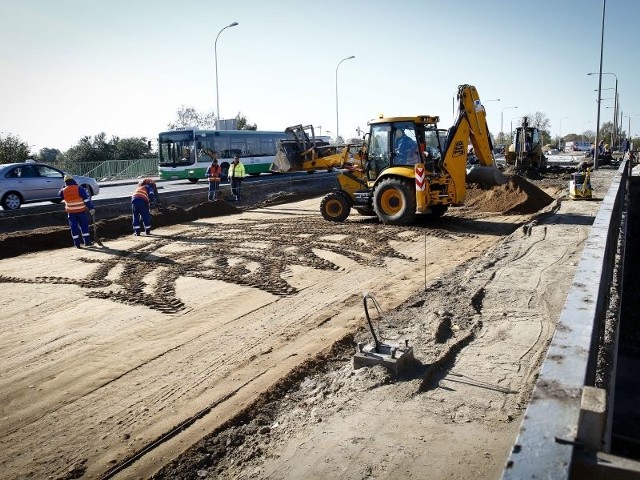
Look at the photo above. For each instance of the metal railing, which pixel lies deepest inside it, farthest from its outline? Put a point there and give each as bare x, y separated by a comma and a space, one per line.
115, 169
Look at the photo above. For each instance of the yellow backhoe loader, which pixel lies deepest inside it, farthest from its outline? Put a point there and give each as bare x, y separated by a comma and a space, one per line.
525, 154
406, 166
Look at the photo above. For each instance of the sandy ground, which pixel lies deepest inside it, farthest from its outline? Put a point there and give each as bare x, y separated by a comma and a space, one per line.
117, 359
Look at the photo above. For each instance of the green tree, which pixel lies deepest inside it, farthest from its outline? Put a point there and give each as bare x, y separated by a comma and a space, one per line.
132, 148
542, 123
13, 149
606, 132
96, 149
572, 137
243, 124
190, 117
48, 155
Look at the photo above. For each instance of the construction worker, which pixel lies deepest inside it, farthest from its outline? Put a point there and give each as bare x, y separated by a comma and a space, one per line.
236, 175
77, 201
154, 186
406, 149
142, 197
213, 175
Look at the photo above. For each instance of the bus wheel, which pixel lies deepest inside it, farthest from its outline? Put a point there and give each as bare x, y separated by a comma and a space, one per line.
394, 201
193, 180
335, 207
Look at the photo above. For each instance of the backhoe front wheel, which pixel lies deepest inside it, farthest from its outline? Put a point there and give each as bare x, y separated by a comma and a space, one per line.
335, 207
394, 201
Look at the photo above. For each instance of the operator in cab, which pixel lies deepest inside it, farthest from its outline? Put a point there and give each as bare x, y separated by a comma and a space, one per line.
406, 149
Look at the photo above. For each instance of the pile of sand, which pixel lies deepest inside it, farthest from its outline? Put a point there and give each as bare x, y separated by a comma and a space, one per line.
517, 196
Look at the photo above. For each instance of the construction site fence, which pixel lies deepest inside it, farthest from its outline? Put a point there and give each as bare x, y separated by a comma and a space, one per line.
114, 169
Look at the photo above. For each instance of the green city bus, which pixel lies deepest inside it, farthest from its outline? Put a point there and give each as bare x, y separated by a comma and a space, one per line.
186, 153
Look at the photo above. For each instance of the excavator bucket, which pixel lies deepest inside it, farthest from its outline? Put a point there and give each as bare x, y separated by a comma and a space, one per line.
281, 164
302, 151
485, 175
300, 147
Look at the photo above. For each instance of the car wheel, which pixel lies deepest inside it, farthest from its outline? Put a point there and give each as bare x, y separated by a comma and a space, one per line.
11, 201
193, 180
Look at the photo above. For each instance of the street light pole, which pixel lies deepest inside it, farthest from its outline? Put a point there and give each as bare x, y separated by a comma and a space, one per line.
337, 116
502, 122
600, 73
215, 54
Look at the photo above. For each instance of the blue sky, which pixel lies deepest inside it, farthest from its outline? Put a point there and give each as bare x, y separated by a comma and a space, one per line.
72, 68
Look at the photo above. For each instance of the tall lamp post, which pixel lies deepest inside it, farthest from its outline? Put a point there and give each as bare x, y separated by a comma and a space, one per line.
616, 105
215, 54
502, 121
337, 116
600, 73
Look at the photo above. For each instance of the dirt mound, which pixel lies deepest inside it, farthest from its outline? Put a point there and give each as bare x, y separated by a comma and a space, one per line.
517, 196
49, 238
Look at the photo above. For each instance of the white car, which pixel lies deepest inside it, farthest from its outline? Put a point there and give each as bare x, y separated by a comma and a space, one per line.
36, 182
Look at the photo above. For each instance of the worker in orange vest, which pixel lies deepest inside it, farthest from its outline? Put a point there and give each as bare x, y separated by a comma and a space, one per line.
142, 197
77, 202
213, 175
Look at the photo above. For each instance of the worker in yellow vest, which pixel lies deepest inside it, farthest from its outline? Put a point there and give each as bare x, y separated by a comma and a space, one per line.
236, 175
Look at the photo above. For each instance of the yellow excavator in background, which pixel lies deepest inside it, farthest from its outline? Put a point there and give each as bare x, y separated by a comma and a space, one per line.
525, 154
405, 167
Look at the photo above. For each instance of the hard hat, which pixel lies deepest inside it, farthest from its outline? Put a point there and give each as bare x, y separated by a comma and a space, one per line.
68, 178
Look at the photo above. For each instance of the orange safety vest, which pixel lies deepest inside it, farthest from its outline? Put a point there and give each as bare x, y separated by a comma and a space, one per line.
141, 192
74, 203
213, 173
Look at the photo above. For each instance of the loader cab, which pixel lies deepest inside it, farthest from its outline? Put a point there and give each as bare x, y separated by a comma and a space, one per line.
404, 141
527, 138
391, 143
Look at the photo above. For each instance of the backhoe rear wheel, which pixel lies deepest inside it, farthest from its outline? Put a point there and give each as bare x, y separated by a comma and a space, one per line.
335, 207
394, 201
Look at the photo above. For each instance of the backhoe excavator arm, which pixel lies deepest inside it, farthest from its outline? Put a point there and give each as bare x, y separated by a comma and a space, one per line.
470, 126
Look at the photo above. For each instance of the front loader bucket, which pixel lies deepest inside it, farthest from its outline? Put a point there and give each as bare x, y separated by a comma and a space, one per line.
490, 176
289, 158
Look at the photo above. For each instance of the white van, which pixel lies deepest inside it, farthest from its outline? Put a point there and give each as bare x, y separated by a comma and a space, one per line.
570, 147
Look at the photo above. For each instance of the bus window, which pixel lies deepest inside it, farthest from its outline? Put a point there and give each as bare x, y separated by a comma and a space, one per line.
238, 146
253, 149
267, 146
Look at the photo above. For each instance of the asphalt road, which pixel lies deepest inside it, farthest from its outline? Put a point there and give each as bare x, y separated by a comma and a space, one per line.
114, 190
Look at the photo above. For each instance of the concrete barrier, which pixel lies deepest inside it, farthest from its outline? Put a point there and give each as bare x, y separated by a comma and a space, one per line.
549, 434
